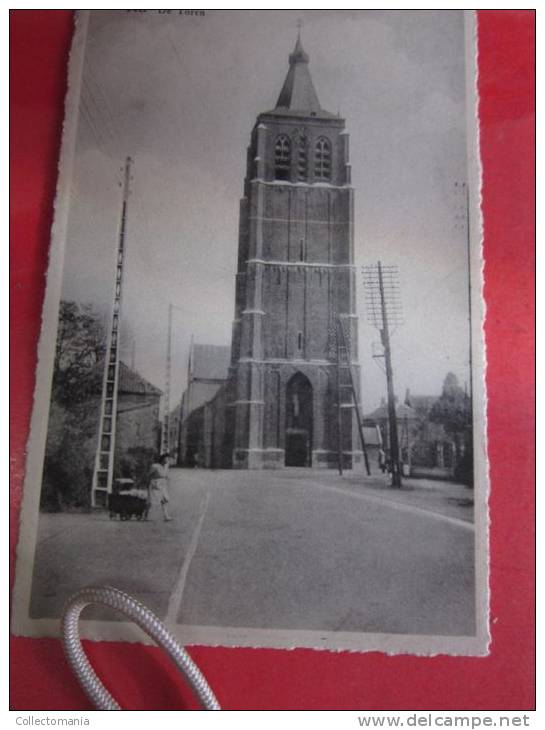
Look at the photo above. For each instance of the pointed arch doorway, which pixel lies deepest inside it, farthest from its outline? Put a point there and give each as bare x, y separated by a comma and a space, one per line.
298, 421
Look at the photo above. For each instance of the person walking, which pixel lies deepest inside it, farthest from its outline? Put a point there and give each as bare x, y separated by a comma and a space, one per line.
158, 485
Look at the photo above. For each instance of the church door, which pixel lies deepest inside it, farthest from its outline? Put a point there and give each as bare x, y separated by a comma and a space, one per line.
298, 421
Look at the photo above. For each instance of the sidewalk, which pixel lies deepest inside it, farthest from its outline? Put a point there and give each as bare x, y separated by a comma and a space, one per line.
443, 497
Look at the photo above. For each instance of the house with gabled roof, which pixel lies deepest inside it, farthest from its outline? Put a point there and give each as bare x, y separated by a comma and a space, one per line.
138, 402
425, 448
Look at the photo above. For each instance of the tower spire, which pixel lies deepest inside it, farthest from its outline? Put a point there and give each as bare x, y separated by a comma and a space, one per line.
298, 55
298, 93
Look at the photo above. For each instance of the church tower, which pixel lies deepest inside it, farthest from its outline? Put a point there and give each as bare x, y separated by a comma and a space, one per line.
295, 280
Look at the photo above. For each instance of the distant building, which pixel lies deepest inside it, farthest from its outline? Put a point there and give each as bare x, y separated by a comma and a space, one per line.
137, 412
207, 373
423, 444
373, 442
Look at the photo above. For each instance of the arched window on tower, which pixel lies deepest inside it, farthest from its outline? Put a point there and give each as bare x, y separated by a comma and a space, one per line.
322, 160
282, 158
302, 160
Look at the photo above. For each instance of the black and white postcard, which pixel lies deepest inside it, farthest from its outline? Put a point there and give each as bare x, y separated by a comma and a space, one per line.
260, 400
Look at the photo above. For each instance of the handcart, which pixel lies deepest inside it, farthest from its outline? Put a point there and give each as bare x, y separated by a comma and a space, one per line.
126, 501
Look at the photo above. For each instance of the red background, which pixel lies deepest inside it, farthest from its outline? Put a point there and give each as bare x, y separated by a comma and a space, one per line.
141, 677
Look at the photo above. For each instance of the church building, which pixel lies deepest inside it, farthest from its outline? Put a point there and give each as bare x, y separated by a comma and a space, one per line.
283, 403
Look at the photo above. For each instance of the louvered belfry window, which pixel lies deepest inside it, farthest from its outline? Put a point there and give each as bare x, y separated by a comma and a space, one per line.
322, 159
302, 162
282, 158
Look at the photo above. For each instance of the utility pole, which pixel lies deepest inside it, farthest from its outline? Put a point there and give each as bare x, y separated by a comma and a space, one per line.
383, 309
165, 440
185, 408
104, 456
189, 374
392, 417
464, 218
165, 434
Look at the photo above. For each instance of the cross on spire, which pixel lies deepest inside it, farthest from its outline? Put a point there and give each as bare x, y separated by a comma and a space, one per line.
298, 93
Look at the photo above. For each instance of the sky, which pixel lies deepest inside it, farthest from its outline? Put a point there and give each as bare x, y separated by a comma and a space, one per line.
180, 94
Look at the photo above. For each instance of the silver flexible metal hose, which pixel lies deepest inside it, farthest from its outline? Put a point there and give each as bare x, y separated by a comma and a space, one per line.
143, 617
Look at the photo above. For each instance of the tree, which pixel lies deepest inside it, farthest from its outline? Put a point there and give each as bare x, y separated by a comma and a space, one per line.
81, 343
69, 455
75, 407
453, 411
73, 415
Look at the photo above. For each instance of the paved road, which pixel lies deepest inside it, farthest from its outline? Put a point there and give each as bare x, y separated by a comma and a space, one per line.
295, 549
